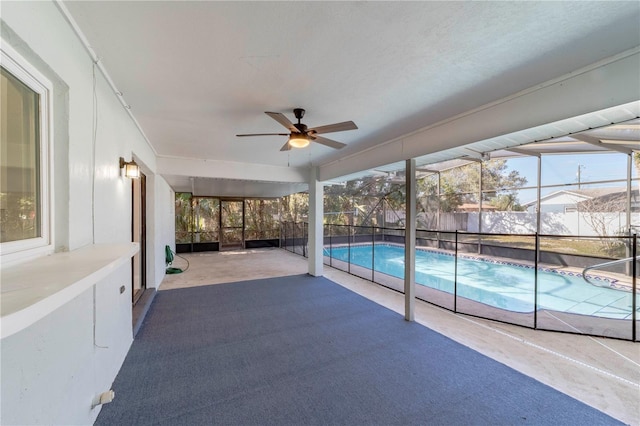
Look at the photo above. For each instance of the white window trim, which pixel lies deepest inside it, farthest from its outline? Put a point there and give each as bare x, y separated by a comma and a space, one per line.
17, 251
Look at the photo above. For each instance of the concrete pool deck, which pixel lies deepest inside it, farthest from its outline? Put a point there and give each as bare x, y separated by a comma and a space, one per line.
604, 373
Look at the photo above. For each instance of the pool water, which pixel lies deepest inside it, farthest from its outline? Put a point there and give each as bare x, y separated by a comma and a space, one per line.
505, 286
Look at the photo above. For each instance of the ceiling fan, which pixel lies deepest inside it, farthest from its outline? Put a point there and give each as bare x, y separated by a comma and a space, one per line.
301, 136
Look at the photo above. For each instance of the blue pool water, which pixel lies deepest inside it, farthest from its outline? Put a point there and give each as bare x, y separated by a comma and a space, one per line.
506, 286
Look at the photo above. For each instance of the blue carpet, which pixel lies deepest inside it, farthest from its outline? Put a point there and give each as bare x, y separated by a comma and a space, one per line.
302, 350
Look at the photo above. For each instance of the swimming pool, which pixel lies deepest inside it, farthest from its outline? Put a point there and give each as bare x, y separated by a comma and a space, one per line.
502, 285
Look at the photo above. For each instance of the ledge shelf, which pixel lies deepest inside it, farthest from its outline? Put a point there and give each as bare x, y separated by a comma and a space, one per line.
32, 290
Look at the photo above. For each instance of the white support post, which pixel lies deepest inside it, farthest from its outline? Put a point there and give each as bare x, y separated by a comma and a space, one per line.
410, 241
316, 214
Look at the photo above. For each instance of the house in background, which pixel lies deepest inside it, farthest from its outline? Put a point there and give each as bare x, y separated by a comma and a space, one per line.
612, 201
568, 201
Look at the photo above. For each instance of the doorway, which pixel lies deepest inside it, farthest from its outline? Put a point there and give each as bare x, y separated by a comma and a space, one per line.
231, 224
139, 235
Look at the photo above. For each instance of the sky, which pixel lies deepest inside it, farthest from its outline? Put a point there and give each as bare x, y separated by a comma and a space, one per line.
562, 169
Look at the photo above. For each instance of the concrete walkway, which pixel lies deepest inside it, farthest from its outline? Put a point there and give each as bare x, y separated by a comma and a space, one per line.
604, 373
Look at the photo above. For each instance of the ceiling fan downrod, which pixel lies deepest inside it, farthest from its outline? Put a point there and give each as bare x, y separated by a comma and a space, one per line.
299, 113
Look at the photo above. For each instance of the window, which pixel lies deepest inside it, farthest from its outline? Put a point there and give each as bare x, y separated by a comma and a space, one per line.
25, 222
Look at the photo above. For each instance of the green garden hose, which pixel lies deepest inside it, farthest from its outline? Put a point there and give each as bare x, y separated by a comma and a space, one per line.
168, 255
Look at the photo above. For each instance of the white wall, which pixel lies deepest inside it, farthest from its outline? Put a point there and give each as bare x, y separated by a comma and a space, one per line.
164, 230
52, 370
558, 202
38, 28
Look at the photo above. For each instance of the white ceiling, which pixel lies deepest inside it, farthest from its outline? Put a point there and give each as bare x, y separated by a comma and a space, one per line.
197, 73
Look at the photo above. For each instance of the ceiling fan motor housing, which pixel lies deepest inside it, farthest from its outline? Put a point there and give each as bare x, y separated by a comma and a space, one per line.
302, 128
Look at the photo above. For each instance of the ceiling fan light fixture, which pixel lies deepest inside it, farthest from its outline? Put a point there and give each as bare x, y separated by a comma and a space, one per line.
298, 140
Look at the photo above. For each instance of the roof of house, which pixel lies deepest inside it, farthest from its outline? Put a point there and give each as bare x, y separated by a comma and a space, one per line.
586, 194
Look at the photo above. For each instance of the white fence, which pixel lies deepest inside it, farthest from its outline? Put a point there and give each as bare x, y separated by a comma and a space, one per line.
553, 223
574, 223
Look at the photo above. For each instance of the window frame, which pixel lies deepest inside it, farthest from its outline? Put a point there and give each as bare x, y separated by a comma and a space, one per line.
24, 71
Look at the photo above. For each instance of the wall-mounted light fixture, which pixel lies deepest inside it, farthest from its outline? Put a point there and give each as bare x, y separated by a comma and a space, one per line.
131, 168
298, 140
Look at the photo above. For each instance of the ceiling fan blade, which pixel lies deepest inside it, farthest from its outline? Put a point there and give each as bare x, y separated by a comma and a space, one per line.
282, 119
328, 142
286, 147
264, 134
337, 127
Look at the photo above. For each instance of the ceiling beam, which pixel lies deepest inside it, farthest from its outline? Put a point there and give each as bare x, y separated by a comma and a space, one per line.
426, 170
628, 143
595, 141
524, 152
230, 170
619, 138
473, 159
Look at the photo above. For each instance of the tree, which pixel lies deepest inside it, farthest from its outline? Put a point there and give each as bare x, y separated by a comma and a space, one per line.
362, 201
18, 220
499, 187
495, 176
601, 212
460, 185
261, 219
506, 202
206, 213
184, 217
295, 207
428, 201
